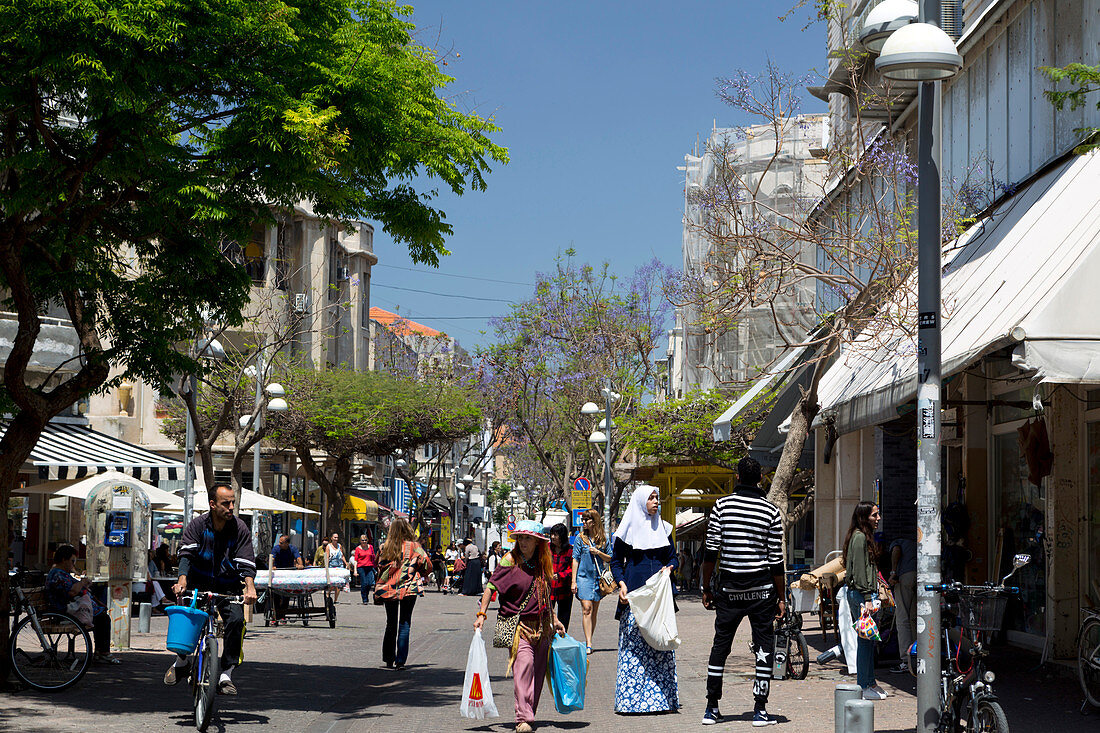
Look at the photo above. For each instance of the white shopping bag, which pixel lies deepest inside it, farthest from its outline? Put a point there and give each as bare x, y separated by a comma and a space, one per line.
477, 694
849, 639
655, 613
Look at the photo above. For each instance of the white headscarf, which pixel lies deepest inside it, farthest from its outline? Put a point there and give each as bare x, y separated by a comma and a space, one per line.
640, 530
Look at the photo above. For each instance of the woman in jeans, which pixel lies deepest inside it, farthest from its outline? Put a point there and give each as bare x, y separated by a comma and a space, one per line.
523, 581
861, 585
404, 563
591, 554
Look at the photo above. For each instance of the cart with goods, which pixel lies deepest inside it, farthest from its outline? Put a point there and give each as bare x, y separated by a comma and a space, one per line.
298, 587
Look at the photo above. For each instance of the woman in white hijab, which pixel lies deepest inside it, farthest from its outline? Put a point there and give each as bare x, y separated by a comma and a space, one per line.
646, 679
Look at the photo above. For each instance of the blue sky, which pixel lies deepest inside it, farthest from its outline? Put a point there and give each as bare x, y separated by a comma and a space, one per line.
598, 103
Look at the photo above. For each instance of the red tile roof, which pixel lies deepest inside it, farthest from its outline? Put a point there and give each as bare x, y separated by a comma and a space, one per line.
403, 324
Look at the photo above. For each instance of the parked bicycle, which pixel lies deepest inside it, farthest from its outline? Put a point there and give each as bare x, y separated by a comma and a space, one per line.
49, 650
1088, 656
205, 661
791, 658
967, 699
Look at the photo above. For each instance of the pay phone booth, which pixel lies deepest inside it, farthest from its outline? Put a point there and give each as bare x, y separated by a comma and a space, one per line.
117, 516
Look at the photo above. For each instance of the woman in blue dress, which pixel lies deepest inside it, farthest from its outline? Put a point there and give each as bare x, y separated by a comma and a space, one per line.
591, 554
646, 678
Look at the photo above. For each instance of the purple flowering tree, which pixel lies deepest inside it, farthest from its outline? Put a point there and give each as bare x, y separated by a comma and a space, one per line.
582, 327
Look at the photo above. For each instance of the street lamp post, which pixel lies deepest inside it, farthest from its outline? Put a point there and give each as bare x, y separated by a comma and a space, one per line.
922, 52
603, 435
210, 348
276, 403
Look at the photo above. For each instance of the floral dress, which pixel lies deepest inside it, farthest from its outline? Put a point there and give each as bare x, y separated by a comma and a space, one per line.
59, 584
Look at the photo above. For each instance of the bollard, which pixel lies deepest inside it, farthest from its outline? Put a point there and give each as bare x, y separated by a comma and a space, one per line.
859, 716
842, 694
145, 613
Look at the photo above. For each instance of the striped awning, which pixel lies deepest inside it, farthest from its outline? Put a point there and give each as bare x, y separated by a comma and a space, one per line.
66, 451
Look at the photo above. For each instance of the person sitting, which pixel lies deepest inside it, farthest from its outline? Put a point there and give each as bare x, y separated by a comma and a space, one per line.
63, 587
283, 555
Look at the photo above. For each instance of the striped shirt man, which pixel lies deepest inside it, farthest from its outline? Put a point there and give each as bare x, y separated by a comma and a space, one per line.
745, 540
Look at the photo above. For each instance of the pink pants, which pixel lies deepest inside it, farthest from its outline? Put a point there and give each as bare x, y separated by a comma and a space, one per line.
529, 672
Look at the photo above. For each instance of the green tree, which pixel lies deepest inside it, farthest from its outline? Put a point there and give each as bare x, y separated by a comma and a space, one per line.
683, 429
138, 136
343, 414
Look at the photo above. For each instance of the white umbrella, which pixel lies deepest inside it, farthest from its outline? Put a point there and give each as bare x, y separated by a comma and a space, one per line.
81, 489
250, 500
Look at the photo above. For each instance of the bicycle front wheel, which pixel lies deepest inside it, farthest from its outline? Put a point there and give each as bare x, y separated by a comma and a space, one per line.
206, 682
987, 716
55, 659
1088, 660
798, 657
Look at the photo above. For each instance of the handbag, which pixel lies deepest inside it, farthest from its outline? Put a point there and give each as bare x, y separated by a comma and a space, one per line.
604, 578
885, 596
866, 627
504, 635
81, 609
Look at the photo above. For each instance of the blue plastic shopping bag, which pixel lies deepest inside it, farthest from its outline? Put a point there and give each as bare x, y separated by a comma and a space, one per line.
568, 673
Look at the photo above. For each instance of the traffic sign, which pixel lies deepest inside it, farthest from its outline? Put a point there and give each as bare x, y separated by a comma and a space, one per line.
577, 517
511, 519
582, 484
511, 526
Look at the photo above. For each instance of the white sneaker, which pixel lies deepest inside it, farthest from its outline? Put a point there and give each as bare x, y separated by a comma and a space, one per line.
874, 693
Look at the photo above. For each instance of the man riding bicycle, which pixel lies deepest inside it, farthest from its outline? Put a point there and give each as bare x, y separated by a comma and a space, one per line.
216, 556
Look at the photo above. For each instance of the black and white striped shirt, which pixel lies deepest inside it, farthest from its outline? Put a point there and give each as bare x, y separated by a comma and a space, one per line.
746, 533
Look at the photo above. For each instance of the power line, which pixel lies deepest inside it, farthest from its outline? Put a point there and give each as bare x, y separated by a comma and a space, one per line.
448, 274
441, 295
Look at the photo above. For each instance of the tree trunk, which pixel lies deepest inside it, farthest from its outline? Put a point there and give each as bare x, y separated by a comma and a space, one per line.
783, 480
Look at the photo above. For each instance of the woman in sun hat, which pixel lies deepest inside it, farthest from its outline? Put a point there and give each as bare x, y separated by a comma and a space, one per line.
522, 582
646, 678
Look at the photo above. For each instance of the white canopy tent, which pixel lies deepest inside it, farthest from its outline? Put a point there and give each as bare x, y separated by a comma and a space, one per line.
250, 501
158, 498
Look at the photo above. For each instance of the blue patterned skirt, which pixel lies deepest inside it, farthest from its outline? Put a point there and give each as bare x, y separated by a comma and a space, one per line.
646, 681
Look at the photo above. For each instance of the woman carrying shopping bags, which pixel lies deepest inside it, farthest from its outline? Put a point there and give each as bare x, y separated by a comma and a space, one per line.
404, 563
646, 678
562, 555
861, 585
523, 584
591, 554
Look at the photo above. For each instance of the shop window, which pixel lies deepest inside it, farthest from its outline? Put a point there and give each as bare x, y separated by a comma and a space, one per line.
1004, 413
1020, 507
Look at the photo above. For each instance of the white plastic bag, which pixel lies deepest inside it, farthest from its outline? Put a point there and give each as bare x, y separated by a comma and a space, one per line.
477, 694
655, 613
848, 636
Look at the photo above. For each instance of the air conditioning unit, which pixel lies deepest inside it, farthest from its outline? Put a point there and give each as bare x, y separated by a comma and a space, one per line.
301, 302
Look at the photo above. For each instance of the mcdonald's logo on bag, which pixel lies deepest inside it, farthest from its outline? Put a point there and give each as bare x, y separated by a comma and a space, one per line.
475, 696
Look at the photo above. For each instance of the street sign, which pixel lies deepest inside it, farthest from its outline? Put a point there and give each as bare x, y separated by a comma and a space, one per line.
582, 484
577, 517
582, 494
511, 526
511, 519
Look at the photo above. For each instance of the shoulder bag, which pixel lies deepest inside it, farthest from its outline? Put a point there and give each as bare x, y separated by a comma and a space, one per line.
604, 577
504, 635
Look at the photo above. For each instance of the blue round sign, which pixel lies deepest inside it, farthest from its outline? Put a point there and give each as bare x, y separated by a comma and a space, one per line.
582, 484
511, 526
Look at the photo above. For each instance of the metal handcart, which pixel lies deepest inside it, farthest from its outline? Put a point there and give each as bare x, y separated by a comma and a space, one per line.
299, 586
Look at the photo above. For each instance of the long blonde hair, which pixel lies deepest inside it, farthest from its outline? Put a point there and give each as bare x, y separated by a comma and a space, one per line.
596, 536
400, 532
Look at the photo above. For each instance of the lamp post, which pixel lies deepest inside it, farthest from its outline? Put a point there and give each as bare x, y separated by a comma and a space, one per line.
209, 348
275, 403
603, 435
922, 52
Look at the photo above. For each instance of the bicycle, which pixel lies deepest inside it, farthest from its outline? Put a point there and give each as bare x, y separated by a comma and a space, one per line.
967, 699
789, 662
206, 662
48, 650
1088, 656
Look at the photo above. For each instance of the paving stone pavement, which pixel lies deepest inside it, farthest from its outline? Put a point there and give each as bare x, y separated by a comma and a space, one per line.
321, 680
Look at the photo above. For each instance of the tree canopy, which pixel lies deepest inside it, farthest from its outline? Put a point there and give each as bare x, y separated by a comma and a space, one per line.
344, 413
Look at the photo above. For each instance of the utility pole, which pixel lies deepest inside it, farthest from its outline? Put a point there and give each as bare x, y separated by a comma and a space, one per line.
607, 462
928, 392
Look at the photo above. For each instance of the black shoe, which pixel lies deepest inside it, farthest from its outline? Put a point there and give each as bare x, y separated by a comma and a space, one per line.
712, 716
226, 687
175, 674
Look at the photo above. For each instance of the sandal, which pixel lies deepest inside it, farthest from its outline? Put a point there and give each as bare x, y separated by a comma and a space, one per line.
107, 659
590, 649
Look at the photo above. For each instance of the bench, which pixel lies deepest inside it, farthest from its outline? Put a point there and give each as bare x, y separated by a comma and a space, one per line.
36, 599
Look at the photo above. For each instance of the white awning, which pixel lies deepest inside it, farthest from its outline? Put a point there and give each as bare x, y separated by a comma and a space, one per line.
1027, 276
722, 425
66, 451
80, 490
250, 501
